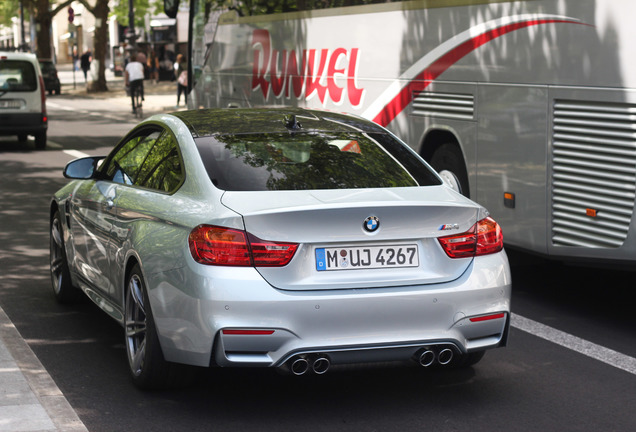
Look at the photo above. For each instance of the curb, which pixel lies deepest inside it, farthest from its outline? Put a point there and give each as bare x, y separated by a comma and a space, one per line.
40, 384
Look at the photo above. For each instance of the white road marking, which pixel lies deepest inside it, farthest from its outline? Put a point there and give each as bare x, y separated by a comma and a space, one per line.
58, 106
84, 111
75, 153
581, 346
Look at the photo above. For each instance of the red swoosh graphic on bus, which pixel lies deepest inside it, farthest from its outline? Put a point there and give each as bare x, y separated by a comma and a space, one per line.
428, 75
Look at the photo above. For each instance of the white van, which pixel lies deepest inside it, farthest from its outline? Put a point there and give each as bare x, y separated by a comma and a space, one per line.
22, 98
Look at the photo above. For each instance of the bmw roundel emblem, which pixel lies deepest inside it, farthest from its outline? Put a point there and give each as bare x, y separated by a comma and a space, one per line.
371, 224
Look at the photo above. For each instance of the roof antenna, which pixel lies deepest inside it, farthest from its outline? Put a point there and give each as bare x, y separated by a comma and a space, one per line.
292, 123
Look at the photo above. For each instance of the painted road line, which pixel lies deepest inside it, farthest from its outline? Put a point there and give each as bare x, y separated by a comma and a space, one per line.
58, 106
581, 346
84, 111
75, 153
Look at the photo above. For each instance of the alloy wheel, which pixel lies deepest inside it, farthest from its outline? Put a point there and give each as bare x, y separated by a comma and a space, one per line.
135, 322
57, 256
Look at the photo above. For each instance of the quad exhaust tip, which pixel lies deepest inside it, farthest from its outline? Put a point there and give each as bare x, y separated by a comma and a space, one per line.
319, 364
300, 365
431, 355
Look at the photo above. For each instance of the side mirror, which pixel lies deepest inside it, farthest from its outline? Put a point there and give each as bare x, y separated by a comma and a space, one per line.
171, 7
82, 169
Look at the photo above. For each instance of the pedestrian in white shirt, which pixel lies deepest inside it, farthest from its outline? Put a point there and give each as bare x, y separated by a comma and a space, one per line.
134, 77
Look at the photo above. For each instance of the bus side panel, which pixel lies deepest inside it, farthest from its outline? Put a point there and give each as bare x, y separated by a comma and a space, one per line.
443, 113
512, 158
510, 55
592, 173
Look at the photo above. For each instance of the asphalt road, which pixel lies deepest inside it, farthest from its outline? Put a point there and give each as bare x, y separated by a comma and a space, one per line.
570, 364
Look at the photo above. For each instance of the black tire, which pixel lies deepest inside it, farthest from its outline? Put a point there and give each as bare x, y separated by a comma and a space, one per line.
148, 368
449, 162
40, 140
63, 289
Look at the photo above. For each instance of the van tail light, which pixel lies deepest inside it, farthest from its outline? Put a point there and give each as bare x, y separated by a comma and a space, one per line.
43, 98
485, 237
214, 245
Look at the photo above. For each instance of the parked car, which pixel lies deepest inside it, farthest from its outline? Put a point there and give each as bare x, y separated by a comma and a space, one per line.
284, 238
49, 74
22, 98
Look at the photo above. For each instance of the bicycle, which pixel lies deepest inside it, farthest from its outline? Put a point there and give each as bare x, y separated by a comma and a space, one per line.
135, 89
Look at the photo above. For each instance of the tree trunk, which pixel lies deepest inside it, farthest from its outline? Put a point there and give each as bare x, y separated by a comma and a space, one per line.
43, 29
100, 11
43, 17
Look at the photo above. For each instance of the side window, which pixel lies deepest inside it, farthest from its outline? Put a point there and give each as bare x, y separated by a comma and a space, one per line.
162, 169
124, 166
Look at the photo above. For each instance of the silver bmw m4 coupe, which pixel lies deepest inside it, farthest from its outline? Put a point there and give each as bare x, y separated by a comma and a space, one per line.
283, 238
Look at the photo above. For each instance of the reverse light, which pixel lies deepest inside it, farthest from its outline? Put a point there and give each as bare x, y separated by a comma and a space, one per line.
485, 237
214, 245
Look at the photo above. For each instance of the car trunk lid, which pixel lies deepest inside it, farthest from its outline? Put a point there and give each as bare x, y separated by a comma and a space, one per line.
339, 247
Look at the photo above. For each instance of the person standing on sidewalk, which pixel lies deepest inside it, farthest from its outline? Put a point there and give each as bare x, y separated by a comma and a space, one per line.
181, 72
134, 78
153, 67
85, 63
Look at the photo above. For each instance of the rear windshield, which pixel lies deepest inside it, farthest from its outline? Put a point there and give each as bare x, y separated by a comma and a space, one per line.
47, 67
17, 76
297, 161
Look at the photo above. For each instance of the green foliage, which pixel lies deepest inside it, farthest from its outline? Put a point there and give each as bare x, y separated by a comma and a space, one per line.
141, 8
260, 7
10, 9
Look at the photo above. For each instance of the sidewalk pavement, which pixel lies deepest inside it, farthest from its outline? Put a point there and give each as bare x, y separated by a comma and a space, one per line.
160, 96
30, 401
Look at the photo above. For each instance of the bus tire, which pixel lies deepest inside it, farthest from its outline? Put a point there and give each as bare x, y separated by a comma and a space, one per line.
448, 161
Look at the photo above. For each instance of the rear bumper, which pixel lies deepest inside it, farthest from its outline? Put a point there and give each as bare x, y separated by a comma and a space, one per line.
235, 350
249, 323
22, 123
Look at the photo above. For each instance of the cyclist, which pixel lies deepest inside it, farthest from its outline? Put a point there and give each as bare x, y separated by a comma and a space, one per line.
134, 77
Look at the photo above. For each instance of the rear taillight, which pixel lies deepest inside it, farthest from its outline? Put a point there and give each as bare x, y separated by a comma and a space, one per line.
43, 98
271, 254
485, 237
214, 245
219, 246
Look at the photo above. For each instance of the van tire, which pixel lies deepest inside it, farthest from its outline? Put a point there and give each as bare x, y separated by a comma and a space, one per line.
40, 140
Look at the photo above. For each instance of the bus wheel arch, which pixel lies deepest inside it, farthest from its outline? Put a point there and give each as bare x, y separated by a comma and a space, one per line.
441, 149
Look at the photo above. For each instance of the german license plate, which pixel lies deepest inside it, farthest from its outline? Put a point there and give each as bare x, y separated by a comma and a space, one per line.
10, 104
367, 257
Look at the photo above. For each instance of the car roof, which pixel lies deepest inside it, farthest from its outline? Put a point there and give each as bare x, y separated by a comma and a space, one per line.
208, 122
17, 56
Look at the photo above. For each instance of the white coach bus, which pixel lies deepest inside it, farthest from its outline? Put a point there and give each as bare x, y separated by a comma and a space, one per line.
528, 107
